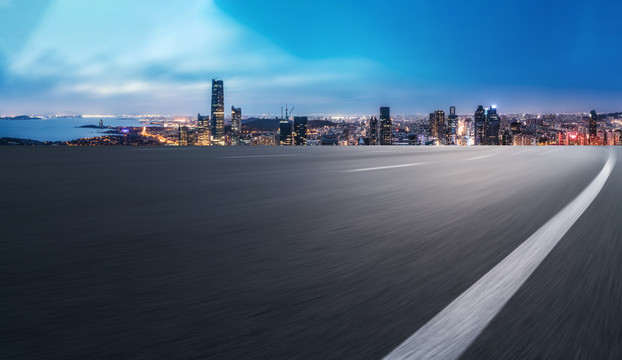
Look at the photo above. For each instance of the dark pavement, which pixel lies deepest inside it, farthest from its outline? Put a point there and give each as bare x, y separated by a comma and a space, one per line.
287, 253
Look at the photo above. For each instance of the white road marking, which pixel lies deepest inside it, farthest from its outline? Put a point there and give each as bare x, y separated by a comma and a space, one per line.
479, 157
384, 167
453, 330
256, 156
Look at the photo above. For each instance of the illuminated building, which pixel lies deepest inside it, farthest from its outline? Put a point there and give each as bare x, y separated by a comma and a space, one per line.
515, 128
218, 113
480, 125
203, 120
203, 130
592, 124
437, 126
385, 125
236, 125
373, 131
184, 136
452, 125
285, 132
493, 125
300, 130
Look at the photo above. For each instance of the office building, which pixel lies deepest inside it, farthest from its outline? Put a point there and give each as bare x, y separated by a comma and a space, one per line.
184, 136
452, 125
479, 121
374, 131
592, 126
236, 125
437, 126
218, 113
300, 130
493, 126
385, 125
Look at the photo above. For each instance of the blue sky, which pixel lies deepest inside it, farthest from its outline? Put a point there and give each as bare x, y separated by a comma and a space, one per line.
156, 56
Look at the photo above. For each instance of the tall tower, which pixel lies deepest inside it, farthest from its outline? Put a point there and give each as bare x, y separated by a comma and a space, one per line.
385, 125
285, 129
437, 126
479, 121
493, 125
218, 113
236, 125
300, 130
452, 125
373, 131
593, 129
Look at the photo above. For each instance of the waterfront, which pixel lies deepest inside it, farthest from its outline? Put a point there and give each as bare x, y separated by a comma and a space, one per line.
60, 129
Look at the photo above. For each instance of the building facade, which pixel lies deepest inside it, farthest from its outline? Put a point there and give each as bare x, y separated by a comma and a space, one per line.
385, 125
218, 113
300, 130
236, 125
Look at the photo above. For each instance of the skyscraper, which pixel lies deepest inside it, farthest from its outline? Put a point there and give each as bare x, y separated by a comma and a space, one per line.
236, 125
493, 125
593, 129
203, 130
480, 125
385, 125
285, 129
373, 131
218, 113
437, 126
300, 130
184, 136
452, 125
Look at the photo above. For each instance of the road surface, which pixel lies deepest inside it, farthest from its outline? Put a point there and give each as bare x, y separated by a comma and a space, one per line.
310, 253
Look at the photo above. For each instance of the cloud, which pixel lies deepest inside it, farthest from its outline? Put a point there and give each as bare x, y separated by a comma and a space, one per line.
169, 50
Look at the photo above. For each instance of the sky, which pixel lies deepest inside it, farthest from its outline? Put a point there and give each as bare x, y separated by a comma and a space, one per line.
323, 56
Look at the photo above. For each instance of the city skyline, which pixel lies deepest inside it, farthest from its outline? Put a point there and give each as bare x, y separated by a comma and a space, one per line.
105, 61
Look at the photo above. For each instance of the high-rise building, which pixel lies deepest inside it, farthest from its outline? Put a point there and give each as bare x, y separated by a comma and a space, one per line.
218, 113
437, 126
479, 121
452, 125
593, 128
203, 130
374, 138
300, 130
236, 125
184, 136
203, 120
385, 125
493, 125
285, 129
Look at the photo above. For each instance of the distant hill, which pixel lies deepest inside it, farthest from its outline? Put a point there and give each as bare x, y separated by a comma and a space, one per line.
261, 124
273, 124
21, 117
320, 123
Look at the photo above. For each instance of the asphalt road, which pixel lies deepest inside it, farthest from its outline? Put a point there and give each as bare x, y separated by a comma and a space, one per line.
300, 253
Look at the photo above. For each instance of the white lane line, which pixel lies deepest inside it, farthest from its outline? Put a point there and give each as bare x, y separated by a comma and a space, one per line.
384, 167
453, 330
256, 156
479, 157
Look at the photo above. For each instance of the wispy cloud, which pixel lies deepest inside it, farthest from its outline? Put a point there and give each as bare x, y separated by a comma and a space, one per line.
169, 50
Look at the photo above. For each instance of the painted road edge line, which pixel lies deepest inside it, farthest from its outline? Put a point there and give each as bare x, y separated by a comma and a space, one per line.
384, 167
455, 328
